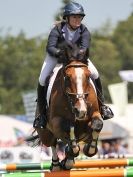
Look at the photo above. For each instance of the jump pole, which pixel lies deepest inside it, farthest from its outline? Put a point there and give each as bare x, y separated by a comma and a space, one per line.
78, 164
88, 173
25, 166
103, 163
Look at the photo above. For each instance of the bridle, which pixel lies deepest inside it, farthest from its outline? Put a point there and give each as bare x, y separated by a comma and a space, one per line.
71, 96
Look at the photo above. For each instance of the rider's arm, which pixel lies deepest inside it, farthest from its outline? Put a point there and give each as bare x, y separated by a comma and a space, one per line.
52, 42
85, 39
84, 43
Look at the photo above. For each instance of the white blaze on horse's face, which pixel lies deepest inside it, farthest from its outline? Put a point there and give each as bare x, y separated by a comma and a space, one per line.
81, 106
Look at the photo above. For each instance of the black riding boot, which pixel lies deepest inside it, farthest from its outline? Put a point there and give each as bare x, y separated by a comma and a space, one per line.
106, 111
41, 117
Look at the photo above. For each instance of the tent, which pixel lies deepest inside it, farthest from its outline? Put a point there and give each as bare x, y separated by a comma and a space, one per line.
12, 129
113, 130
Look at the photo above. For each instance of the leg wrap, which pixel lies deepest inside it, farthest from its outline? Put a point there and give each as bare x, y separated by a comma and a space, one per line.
69, 152
97, 124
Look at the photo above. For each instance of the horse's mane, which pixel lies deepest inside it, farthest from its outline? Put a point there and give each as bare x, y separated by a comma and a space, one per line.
71, 52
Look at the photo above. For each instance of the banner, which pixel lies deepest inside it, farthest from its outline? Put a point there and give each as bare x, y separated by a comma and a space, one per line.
126, 75
119, 96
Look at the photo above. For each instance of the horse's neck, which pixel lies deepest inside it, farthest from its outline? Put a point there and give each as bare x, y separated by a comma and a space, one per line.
58, 97
54, 78
59, 81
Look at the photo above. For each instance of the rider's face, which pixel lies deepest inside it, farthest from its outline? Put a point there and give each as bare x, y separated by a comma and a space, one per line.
75, 21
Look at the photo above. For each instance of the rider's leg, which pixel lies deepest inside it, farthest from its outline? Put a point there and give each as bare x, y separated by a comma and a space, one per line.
47, 68
106, 112
40, 116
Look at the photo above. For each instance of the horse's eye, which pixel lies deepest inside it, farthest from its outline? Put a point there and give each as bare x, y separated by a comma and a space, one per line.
67, 80
86, 95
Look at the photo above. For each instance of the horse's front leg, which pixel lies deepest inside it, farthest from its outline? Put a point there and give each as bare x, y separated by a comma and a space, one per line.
71, 151
91, 149
73, 144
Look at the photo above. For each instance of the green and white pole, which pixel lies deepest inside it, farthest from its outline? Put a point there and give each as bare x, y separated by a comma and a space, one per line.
94, 163
121, 172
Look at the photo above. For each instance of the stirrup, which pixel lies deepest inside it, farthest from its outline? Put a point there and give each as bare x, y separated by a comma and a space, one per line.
107, 113
40, 122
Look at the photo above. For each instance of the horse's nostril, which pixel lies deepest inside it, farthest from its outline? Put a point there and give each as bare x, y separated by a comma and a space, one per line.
82, 114
79, 114
76, 112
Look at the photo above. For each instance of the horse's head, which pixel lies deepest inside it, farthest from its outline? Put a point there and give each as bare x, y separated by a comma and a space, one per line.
77, 87
72, 52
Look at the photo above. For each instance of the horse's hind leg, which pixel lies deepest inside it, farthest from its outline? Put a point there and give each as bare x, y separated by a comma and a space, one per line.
90, 149
55, 166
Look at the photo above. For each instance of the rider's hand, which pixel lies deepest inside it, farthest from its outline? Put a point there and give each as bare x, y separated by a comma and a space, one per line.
60, 52
81, 54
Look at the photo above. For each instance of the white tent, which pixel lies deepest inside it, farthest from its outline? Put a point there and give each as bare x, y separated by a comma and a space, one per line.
113, 130
12, 129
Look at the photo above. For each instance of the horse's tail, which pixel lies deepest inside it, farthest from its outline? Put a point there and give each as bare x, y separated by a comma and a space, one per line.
33, 140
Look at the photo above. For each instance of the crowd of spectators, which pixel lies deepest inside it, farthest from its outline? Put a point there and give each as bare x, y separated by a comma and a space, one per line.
107, 148
113, 148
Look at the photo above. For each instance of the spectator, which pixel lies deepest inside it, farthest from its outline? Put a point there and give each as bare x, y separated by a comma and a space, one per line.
105, 148
119, 149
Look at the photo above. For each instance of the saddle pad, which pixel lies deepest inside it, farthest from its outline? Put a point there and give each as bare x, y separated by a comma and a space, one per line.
52, 79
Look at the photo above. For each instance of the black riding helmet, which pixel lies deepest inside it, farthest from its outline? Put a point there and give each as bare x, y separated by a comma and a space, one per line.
73, 8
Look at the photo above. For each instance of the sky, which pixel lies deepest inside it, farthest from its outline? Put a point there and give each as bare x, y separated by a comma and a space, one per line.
36, 17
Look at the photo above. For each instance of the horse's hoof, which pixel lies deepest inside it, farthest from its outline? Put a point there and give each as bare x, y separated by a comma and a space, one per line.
89, 150
65, 165
57, 167
63, 162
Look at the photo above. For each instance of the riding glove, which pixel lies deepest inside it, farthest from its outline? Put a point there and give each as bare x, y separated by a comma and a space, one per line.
60, 53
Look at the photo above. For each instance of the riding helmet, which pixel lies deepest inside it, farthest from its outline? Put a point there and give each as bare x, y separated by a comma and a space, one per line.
73, 8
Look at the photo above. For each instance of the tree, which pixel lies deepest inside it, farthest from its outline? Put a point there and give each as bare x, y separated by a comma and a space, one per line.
58, 16
123, 39
21, 60
105, 57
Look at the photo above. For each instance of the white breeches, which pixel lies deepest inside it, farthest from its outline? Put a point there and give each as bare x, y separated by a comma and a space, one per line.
93, 70
49, 64
47, 68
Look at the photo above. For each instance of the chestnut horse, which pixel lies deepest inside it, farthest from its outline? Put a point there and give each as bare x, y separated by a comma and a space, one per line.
73, 113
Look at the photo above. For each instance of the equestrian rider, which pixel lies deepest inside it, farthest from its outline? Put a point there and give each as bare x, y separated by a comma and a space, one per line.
70, 29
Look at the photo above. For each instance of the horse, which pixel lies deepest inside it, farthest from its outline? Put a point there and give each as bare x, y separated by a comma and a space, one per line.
73, 113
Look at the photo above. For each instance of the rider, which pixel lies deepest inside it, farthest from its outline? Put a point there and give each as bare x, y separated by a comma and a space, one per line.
70, 29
